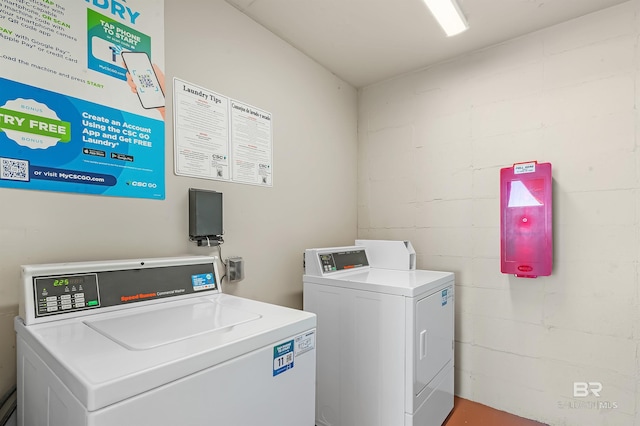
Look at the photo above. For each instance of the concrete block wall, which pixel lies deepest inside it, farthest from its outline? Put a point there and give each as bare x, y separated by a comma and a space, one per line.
431, 145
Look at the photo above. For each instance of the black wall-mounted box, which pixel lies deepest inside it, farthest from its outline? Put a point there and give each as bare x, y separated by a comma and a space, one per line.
205, 213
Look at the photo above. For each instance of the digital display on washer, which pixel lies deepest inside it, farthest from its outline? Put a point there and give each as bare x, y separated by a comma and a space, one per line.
66, 293
348, 259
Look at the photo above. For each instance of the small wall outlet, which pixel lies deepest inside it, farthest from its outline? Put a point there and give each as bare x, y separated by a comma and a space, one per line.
235, 269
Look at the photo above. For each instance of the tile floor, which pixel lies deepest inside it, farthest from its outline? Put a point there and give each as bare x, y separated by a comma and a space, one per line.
468, 413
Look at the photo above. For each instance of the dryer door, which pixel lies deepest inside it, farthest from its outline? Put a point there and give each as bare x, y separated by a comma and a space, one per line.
433, 336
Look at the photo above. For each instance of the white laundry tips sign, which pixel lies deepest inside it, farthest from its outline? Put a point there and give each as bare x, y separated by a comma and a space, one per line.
283, 357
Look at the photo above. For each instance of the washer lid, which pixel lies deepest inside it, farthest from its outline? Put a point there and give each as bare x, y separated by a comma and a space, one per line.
151, 329
116, 355
387, 281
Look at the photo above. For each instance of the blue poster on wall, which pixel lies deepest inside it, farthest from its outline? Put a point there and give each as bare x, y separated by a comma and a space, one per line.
82, 98
49, 141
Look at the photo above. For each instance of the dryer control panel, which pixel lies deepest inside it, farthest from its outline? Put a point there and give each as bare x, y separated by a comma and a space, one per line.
325, 261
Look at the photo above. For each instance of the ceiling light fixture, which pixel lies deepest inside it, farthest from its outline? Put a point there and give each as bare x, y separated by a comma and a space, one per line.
448, 15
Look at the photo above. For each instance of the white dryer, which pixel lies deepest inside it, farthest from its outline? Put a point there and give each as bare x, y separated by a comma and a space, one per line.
385, 340
155, 342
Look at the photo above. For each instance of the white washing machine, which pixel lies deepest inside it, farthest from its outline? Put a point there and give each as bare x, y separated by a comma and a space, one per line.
155, 342
385, 340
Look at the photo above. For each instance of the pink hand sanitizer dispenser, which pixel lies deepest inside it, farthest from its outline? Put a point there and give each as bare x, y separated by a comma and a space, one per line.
526, 234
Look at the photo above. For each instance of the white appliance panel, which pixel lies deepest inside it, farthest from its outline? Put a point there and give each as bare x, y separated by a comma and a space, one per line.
360, 356
195, 359
217, 395
434, 409
433, 336
239, 392
84, 357
370, 323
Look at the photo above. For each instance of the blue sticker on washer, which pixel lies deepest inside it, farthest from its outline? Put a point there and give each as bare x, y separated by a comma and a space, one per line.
203, 282
444, 297
283, 357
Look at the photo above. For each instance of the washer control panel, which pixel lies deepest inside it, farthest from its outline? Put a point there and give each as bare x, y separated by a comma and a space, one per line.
66, 293
58, 294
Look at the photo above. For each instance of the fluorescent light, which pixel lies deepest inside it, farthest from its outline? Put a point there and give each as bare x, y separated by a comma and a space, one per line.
448, 15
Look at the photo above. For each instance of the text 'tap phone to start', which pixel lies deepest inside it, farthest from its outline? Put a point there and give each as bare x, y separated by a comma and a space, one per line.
145, 79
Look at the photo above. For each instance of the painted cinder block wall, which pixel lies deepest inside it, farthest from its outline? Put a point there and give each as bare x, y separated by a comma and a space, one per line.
431, 144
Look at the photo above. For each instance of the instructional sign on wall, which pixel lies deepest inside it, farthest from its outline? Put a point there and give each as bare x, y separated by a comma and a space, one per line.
75, 116
201, 130
220, 138
251, 144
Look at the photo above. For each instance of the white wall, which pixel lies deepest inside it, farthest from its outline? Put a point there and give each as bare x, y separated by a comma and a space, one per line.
311, 204
431, 145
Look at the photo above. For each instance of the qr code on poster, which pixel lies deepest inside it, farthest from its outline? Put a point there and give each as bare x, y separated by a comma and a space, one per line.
11, 169
146, 81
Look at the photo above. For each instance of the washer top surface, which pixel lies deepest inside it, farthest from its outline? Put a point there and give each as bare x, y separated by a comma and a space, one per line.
111, 356
404, 283
152, 329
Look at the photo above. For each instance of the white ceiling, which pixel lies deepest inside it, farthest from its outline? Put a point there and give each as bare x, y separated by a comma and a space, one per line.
366, 41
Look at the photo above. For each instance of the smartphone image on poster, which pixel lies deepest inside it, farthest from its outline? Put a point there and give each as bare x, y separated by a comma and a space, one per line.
145, 79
